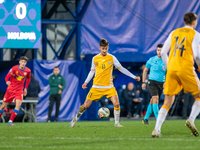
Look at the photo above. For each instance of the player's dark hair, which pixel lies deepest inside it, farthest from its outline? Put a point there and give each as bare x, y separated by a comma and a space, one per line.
103, 42
159, 45
189, 17
56, 67
23, 58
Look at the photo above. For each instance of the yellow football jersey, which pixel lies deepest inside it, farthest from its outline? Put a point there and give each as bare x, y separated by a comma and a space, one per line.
103, 67
181, 54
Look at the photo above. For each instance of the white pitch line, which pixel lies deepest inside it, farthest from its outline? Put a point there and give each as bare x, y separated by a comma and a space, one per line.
89, 147
117, 139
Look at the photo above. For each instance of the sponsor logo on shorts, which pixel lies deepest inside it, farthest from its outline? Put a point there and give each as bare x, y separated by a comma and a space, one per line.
4, 99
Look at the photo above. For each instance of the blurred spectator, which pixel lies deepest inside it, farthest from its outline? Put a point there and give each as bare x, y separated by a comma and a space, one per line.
182, 104
131, 98
187, 100
33, 88
121, 99
176, 109
32, 94
144, 94
1, 95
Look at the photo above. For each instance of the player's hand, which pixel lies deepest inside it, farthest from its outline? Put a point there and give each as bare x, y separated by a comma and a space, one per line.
25, 92
60, 86
144, 86
84, 86
8, 82
135, 100
60, 92
137, 78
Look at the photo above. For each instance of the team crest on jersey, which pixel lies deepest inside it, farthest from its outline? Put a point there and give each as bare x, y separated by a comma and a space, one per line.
109, 63
16, 71
25, 73
4, 99
96, 63
164, 67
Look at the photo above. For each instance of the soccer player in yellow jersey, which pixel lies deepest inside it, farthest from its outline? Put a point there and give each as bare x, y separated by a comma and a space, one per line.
102, 67
185, 48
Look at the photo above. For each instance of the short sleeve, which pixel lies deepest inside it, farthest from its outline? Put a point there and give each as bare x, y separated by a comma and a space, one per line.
12, 70
148, 63
116, 63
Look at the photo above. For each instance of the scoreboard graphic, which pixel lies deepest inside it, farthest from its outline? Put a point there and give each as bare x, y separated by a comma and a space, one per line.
20, 24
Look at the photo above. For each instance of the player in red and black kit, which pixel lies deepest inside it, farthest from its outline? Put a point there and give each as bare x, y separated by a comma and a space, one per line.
17, 75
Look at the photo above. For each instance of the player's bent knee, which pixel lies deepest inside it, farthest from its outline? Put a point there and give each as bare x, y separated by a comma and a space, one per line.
116, 105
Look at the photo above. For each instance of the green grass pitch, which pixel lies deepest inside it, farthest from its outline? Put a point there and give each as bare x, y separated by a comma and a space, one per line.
97, 135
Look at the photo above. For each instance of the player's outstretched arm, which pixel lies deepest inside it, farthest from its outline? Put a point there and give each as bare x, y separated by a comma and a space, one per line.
137, 78
124, 70
128, 73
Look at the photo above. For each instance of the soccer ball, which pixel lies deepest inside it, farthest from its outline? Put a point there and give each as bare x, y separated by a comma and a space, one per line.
103, 112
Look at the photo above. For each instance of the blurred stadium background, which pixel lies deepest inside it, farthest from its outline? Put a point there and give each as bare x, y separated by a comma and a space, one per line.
67, 34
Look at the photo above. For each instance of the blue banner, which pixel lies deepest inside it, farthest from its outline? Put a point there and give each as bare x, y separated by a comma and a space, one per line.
73, 95
133, 28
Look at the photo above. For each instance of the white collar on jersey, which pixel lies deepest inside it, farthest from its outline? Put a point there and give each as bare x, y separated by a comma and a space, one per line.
188, 27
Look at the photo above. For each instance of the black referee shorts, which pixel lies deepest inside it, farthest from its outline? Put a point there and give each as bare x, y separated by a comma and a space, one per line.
155, 88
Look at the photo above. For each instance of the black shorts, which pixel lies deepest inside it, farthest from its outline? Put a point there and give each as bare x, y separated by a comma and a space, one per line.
155, 88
